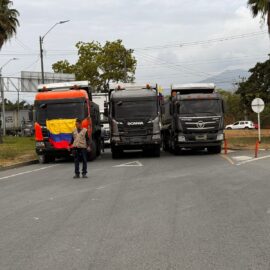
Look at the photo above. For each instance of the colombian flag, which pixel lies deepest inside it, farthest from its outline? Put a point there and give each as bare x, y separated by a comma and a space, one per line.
60, 132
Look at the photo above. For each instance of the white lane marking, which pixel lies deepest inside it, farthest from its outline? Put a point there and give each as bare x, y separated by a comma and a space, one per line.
130, 164
242, 158
252, 160
229, 151
27, 172
101, 187
36, 218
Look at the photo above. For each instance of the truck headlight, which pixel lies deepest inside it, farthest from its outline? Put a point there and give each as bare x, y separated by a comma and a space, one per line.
156, 137
40, 144
116, 139
181, 138
115, 130
220, 137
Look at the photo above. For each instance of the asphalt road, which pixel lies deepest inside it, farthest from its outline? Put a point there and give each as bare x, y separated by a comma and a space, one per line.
195, 211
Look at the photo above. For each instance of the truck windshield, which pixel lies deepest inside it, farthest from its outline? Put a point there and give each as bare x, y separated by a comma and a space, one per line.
137, 109
59, 111
200, 106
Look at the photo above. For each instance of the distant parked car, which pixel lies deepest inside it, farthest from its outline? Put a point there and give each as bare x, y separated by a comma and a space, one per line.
241, 125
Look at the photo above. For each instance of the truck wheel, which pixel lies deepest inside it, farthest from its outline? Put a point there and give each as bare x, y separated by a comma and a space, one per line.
116, 153
98, 148
93, 154
43, 159
156, 151
214, 149
165, 145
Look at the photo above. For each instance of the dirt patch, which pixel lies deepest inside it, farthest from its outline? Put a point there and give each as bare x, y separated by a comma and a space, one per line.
246, 133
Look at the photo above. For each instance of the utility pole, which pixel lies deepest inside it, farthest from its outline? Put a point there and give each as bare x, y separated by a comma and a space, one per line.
41, 59
3, 118
41, 39
125, 67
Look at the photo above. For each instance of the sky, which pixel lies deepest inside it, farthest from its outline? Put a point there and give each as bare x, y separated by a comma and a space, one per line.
175, 41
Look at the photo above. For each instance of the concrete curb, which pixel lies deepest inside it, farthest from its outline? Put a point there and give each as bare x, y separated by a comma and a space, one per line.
18, 165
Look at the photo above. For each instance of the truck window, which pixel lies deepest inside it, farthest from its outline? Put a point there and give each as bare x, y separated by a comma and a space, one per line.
200, 106
139, 108
59, 111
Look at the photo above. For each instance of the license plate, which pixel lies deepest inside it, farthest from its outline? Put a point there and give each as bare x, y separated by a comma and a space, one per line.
201, 137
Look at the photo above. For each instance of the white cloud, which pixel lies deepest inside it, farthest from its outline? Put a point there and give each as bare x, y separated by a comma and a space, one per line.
142, 23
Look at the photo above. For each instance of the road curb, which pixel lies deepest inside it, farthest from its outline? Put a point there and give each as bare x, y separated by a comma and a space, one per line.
18, 165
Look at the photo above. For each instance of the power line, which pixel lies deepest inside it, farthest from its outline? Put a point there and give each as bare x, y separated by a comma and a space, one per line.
25, 68
155, 47
176, 67
203, 42
211, 61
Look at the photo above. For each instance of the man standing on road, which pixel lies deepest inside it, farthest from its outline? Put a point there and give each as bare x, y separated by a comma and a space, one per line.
80, 144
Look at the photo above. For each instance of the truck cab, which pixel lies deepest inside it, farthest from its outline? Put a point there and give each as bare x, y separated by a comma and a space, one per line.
134, 119
194, 118
57, 106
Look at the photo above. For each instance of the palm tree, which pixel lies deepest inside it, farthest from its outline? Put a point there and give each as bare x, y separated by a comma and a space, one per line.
8, 26
261, 7
8, 21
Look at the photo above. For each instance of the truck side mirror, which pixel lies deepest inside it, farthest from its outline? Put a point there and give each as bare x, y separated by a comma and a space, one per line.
106, 111
162, 110
171, 109
178, 107
224, 107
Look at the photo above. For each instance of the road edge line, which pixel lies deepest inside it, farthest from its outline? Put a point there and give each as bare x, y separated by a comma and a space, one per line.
18, 165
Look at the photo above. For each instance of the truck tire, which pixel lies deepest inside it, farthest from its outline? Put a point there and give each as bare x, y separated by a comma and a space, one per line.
93, 154
165, 145
116, 153
156, 151
45, 158
98, 147
214, 149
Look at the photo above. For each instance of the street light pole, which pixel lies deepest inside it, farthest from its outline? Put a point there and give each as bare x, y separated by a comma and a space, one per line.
41, 39
3, 96
41, 59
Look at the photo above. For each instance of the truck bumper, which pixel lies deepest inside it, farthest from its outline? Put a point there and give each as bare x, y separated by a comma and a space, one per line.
46, 148
133, 143
199, 140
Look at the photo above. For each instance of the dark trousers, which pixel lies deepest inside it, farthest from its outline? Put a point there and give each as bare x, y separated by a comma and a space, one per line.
80, 154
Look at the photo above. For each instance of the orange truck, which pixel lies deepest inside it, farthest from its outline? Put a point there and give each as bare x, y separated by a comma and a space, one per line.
57, 106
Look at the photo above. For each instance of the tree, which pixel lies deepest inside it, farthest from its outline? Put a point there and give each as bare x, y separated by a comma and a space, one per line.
8, 25
116, 63
8, 21
262, 8
100, 64
234, 108
257, 85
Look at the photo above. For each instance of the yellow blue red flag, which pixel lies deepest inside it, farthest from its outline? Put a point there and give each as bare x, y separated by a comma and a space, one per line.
60, 132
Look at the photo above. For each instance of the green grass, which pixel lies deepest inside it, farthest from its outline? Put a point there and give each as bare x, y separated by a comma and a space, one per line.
15, 147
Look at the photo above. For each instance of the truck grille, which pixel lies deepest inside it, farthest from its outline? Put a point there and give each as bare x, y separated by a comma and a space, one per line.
135, 131
200, 125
